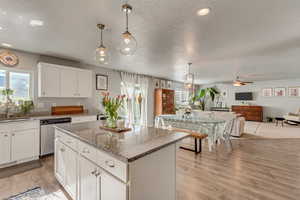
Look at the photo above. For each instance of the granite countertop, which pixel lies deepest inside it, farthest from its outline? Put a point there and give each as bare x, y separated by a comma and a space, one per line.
40, 116
128, 146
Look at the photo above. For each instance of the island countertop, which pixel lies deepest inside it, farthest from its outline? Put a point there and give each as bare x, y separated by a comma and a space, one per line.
128, 146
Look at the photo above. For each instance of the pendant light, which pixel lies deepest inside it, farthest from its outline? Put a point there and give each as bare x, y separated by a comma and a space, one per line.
128, 44
102, 55
189, 78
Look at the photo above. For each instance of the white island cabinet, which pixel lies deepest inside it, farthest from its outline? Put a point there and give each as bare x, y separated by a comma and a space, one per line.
19, 142
138, 166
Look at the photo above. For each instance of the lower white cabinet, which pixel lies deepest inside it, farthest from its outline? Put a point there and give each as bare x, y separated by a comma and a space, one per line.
66, 167
83, 179
22, 144
19, 142
88, 180
4, 148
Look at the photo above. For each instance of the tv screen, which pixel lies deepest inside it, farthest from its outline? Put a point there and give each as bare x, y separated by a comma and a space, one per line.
243, 96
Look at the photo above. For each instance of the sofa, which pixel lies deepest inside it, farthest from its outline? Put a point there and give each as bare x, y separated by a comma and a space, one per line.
293, 117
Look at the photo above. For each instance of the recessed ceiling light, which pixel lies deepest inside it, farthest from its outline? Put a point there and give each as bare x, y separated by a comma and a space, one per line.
1, 28
6, 44
35, 22
203, 11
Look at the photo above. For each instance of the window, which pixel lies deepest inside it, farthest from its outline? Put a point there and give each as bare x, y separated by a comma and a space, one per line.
19, 82
181, 97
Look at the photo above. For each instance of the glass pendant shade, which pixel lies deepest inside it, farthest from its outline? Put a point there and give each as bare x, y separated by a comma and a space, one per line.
189, 78
128, 44
102, 55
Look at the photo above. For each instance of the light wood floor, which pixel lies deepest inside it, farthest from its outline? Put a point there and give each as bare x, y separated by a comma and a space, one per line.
257, 169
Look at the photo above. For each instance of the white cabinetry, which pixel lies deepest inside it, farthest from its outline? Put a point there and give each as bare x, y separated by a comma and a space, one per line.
76, 167
88, 181
19, 142
4, 148
68, 83
48, 80
22, 144
62, 81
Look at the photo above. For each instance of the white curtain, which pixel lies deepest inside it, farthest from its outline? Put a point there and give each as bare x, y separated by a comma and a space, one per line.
130, 82
143, 81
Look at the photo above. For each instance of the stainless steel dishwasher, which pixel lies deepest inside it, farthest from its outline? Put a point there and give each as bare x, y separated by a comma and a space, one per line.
47, 134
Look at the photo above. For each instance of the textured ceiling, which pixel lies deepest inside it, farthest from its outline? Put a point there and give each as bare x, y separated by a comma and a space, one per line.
256, 39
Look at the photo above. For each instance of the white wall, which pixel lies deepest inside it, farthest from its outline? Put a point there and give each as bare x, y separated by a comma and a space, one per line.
273, 106
28, 62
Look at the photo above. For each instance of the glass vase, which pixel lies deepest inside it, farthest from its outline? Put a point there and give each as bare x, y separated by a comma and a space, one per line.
111, 122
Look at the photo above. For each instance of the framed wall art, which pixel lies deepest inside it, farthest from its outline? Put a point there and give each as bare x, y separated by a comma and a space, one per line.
267, 92
279, 92
294, 91
101, 82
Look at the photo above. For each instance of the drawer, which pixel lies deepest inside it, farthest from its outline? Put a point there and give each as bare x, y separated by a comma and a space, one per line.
84, 119
112, 165
66, 139
22, 125
87, 151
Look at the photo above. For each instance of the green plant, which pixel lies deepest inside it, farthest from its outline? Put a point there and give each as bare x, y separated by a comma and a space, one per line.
111, 107
26, 106
203, 95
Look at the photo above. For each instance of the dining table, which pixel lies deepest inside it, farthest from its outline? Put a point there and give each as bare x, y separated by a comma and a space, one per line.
211, 125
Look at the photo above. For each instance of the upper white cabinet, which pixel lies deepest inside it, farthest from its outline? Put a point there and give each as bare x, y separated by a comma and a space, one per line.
61, 81
48, 80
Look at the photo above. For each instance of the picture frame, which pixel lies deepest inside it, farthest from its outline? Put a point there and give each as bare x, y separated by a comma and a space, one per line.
267, 92
294, 91
279, 92
156, 83
162, 84
101, 82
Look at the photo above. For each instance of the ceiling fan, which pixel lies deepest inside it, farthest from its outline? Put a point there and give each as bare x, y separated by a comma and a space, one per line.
238, 82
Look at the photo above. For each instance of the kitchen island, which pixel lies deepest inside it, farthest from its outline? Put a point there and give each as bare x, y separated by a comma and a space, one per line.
93, 164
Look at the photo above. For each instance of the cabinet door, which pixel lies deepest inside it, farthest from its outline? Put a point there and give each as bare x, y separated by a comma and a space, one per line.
68, 79
85, 83
49, 81
60, 162
23, 144
88, 182
111, 188
4, 148
71, 171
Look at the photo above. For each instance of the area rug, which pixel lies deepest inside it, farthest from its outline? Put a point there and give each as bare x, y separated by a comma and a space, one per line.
10, 171
38, 193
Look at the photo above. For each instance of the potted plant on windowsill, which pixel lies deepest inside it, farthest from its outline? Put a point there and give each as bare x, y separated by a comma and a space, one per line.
111, 108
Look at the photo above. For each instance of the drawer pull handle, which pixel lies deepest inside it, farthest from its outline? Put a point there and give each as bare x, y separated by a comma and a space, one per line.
85, 150
110, 163
5, 135
69, 142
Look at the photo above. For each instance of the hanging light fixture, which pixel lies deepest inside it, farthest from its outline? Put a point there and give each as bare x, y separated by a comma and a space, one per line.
189, 78
128, 44
102, 55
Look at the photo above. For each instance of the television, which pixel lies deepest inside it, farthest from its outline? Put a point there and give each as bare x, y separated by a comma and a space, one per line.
243, 96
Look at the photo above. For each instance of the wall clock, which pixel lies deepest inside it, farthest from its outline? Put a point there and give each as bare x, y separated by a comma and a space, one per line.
9, 59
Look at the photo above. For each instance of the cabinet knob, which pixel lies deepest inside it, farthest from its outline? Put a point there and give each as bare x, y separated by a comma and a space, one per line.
62, 149
94, 172
5, 135
12, 134
110, 163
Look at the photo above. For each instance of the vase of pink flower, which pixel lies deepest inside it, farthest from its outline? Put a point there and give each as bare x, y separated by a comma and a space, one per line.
111, 107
